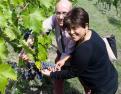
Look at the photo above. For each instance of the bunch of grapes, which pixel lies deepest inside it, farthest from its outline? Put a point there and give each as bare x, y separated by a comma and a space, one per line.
45, 65
28, 74
31, 72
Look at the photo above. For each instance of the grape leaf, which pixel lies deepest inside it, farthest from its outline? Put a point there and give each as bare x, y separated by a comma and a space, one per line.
3, 83
33, 20
7, 72
9, 33
3, 49
38, 64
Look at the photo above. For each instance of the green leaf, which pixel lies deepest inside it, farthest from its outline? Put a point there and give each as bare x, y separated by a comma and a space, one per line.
3, 84
46, 3
21, 63
3, 22
26, 47
42, 53
38, 64
45, 40
7, 72
41, 39
4, 19
33, 20
16, 2
30, 56
9, 33
3, 49
42, 56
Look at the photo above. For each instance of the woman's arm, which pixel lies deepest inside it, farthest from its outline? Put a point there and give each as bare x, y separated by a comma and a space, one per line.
63, 74
79, 63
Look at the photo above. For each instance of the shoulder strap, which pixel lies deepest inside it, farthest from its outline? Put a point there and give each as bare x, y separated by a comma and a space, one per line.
62, 41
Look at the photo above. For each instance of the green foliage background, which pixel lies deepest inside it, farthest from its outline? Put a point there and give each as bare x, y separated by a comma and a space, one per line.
16, 18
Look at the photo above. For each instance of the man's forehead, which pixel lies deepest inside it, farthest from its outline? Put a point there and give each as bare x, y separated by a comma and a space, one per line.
64, 6
63, 9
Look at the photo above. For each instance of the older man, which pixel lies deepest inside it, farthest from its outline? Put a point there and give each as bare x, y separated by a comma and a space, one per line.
64, 42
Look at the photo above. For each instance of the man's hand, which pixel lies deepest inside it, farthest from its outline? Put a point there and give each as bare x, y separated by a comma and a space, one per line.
23, 56
59, 64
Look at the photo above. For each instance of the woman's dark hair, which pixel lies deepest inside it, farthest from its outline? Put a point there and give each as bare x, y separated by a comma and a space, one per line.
76, 17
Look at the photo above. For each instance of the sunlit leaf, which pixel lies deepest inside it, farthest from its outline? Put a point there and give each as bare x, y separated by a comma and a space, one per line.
38, 64
7, 72
33, 20
41, 40
4, 19
9, 33
42, 54
26, 48
46, 3
3, 49
3, 84
16, 2
30, 56
3, 22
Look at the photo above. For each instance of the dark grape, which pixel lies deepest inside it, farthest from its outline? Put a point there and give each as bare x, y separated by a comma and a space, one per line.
31, 71
45, 65
39, 75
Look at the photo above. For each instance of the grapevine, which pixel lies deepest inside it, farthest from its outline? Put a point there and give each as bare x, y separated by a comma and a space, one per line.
17, 18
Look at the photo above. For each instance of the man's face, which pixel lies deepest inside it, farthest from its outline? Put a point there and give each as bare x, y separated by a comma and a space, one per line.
61, 11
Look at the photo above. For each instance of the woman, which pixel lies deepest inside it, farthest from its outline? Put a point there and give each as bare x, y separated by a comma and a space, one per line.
89, 61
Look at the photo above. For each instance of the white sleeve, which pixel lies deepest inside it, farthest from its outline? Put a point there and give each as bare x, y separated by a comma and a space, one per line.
48, 24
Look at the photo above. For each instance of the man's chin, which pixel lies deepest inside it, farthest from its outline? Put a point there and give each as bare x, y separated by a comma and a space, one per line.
61, 24
74, 39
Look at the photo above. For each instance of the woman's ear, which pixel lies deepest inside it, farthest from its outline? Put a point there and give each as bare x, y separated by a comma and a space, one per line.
87, 26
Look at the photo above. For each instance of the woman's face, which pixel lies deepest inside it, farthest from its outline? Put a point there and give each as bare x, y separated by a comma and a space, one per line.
77, 33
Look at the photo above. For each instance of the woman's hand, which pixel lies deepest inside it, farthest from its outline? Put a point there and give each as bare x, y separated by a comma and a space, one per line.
46, 72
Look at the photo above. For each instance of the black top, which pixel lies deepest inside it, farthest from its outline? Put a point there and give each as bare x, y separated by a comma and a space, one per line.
91, 64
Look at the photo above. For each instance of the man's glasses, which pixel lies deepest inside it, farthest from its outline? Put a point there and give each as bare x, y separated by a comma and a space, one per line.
61, 13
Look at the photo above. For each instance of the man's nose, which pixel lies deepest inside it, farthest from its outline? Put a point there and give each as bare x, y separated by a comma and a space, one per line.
61, 16
72, 31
